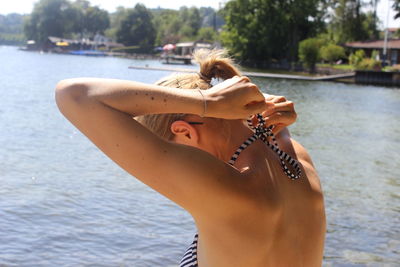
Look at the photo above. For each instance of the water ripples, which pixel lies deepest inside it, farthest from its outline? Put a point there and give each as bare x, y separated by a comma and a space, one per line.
62, 202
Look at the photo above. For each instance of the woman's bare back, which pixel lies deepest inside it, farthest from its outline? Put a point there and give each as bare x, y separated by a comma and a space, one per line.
283, 226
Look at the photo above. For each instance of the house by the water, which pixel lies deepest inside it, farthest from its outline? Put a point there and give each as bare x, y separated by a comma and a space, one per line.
392, 53
78, 46
387, 78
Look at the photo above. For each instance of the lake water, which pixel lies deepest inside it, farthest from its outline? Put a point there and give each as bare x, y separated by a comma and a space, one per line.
63, 203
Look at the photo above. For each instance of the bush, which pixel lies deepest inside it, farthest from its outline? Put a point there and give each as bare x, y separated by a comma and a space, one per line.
375, 54
360, 62
332, 53
369, 64
356, 58
309, 52
394, 68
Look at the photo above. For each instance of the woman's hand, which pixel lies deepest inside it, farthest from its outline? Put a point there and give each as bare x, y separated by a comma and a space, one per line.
281, 113
235, 98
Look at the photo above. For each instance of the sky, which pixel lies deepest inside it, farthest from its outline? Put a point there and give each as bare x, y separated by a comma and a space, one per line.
26, 6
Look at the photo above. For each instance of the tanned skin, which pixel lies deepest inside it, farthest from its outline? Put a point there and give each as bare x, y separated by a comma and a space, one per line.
248, 215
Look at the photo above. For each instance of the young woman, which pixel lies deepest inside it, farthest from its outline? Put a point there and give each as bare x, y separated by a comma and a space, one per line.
255, 197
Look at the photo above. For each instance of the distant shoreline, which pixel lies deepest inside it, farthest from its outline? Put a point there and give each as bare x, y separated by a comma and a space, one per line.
322, 74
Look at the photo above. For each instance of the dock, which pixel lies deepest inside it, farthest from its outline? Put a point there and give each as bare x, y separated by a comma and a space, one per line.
258, 74
177, 59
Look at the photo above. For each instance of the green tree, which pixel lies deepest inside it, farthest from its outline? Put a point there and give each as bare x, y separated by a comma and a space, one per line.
185, 24
304, 20
137, 29
97, 20
210, 18
92, 19
51, 18
370, 25
63, 18
207, 34
194, 20
309, 52
115, 22
168, 24
375, 20
332, 52
11, 29
191, 21
258, 31
350, 23
396, 7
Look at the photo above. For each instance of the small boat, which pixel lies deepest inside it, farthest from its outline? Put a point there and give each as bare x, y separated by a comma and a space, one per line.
90, 53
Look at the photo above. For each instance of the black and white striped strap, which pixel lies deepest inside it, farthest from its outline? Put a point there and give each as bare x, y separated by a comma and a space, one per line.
190, 257
264, 133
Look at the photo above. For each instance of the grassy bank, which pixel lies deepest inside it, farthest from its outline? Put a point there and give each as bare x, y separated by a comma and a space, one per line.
337, 67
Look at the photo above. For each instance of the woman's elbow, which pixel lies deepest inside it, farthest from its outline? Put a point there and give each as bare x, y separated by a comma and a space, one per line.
70, 91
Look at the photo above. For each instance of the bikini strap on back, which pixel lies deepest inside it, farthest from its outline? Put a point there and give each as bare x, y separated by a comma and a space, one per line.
264, 133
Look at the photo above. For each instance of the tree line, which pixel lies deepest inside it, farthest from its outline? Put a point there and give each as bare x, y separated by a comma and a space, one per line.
138, 27
259, 33
11, 27
268, 33
262, 32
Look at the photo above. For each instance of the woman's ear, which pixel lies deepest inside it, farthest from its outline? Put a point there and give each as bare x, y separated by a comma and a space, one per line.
184, 133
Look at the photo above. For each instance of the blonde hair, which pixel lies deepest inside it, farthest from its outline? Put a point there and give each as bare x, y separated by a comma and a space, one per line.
213, 64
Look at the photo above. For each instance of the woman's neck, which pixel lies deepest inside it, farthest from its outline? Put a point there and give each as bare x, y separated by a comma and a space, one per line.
239, 133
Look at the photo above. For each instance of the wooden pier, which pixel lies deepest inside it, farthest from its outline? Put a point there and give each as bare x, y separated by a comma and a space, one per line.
259, 74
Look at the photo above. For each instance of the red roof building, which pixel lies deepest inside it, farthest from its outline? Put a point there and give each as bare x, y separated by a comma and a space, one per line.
393, 49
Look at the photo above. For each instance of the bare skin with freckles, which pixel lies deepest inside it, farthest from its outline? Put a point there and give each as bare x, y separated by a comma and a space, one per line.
247, 215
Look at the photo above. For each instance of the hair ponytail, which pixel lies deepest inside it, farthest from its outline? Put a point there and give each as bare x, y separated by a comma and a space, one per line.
215, 64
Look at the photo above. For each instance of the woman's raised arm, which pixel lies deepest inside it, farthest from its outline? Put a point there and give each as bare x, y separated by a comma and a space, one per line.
102, 109
133, 98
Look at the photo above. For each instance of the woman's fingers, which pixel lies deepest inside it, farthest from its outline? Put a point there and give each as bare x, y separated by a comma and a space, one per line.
284, 106
235, 98
278, 128
244, 78
238, 98
257, 107
285, 118
277, 111
253, 93
277, 99
255, 100
278, 107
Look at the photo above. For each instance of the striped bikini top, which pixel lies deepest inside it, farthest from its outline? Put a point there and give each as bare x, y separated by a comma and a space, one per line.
263, 133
